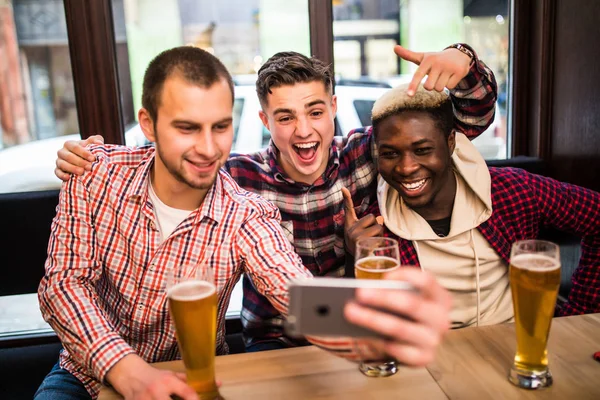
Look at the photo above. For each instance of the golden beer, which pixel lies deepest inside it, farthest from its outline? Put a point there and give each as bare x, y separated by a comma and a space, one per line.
374, 267
534, 281
193, 307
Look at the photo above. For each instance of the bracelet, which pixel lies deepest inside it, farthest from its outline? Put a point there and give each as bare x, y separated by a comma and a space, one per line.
464, 50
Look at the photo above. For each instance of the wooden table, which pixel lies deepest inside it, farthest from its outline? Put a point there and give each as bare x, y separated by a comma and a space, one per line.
472, 363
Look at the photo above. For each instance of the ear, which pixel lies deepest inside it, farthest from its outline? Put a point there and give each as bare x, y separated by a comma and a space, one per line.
334, 104
147, 124
264, 118
452, 141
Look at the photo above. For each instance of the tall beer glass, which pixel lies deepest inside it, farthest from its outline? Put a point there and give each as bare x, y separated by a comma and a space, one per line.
534, 281
192, 300
374, 257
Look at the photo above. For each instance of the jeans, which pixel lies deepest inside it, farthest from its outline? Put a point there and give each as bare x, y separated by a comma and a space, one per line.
60, 384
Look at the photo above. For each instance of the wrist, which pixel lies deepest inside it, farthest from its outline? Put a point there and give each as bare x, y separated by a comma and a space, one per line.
124, 375
467, 51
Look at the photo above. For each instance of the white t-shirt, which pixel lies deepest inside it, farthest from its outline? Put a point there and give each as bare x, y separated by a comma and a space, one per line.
168, 218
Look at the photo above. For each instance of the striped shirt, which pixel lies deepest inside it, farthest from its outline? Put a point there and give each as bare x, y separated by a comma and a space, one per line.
104, 288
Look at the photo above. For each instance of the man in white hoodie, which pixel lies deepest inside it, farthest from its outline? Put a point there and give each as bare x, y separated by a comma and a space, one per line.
457, 217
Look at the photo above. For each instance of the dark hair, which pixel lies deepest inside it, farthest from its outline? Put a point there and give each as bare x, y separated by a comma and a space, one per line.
289, 68
195, 65
442, 115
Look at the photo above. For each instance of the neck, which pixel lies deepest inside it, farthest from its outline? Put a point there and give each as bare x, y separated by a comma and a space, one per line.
176, 194
443, 203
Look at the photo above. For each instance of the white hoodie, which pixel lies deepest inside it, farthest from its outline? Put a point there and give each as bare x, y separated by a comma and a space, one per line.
463, 262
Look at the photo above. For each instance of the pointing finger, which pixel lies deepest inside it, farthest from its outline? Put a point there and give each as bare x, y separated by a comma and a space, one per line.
349, 206
409, 55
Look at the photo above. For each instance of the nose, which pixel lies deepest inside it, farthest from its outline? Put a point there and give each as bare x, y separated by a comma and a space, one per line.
406, 166
205, 144
303, 127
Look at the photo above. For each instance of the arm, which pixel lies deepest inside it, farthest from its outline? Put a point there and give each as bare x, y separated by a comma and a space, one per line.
575, 210
68, 301
472, 85
75, 157
271, 263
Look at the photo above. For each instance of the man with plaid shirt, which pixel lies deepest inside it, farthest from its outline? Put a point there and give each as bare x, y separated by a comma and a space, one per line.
458, 218
304, 168
139, 213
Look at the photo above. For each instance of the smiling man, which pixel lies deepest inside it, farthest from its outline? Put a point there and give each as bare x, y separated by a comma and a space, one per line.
138, 213
304, 168
457, 218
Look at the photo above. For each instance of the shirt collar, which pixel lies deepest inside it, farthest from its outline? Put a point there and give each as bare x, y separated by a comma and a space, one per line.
211, 206
333, 164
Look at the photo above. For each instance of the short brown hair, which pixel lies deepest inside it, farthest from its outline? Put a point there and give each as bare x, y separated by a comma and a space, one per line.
289, 68
195, 65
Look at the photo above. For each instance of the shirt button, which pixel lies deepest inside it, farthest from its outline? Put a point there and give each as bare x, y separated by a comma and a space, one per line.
316, 223
141, 307
151, 267
152, 225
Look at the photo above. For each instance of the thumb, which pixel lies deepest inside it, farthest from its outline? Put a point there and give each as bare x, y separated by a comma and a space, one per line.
95, 139
409, 55
349, 206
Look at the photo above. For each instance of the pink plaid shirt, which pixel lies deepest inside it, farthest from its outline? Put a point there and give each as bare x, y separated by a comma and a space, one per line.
104, 289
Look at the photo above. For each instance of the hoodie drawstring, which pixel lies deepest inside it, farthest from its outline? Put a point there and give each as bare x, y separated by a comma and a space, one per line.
476, 274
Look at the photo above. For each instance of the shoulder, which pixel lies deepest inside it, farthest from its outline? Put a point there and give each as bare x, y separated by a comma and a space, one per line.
237, 163
511, 186
245, 201
117, 162
121, 155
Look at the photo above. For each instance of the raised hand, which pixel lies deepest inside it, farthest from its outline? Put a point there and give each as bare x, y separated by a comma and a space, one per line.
443, 68
74, 158
354, 228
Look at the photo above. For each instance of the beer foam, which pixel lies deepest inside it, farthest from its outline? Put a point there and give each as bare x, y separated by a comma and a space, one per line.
535, 262
191, 290
376, 259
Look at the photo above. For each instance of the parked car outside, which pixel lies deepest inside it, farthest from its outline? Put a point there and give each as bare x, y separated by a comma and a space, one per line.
31, 166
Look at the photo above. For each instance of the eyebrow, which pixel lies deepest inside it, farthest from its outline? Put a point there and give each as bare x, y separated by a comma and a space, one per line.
422, 141
288, 111
195, 124
314, 103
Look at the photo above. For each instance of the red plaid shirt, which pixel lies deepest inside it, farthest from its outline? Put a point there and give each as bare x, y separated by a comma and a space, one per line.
523, 203
104, 289
313, 215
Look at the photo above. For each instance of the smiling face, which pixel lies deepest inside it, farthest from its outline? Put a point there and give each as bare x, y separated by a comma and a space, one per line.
193, 134
300, 118
415, 159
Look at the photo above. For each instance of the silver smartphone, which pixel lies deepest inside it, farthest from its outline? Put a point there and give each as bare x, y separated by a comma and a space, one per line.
317, 305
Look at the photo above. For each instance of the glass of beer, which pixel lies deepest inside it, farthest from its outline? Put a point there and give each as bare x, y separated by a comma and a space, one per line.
374, 257
534, 280
192, 298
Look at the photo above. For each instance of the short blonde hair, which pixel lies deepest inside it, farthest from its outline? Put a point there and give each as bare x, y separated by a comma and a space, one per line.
396, 101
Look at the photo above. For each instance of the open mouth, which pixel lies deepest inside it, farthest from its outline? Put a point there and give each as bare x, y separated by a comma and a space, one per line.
306, 151
415, 187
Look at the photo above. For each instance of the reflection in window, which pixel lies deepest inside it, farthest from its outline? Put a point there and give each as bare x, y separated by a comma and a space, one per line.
37, 98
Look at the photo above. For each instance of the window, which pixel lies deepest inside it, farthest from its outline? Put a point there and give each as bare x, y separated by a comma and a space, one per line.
37, 99
365, 32
37, 114
363, 109
241, 33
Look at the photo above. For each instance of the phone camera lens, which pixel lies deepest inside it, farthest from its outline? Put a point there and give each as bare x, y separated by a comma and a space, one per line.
323, 310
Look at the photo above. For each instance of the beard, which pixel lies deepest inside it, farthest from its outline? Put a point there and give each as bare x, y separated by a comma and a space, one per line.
178, 171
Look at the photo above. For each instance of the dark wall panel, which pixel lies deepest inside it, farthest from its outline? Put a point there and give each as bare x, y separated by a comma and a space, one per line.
575, 115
